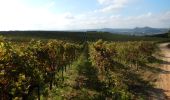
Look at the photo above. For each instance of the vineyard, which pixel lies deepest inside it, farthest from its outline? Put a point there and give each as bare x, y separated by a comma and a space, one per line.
118, 66
25, 68
56, 69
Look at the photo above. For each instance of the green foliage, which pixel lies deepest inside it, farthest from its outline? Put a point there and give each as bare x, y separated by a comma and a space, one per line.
109, 69
26, 68
25, 36
116, 62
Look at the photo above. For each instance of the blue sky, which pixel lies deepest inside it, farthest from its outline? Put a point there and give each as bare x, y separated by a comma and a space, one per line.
83, 14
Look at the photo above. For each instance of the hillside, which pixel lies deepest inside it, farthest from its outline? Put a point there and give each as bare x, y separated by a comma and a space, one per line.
58, 70
72, 36
166, 35
138, 31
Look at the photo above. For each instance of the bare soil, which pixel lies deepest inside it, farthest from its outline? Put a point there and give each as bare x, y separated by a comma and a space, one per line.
163, 83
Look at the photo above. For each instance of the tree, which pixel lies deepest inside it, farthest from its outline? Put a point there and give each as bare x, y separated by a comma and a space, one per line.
168, 34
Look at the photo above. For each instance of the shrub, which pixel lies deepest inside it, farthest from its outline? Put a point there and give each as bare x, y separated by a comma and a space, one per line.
168, 45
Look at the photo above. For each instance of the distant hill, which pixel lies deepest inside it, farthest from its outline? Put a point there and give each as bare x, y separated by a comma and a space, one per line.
138, 31
63, 35
165, 35
72, 36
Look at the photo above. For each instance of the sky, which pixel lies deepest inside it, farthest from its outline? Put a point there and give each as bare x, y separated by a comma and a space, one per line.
83, 14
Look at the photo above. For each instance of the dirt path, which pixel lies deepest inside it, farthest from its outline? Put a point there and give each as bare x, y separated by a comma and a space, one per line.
163, 82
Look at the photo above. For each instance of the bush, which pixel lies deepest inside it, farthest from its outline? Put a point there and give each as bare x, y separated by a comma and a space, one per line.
168, 45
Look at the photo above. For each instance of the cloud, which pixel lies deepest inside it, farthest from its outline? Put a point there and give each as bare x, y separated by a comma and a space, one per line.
112, 5
159, 20
68, 15
16, 15
105, 1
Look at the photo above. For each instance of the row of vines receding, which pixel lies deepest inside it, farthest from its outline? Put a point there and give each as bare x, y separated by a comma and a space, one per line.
118, 64
34, 66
